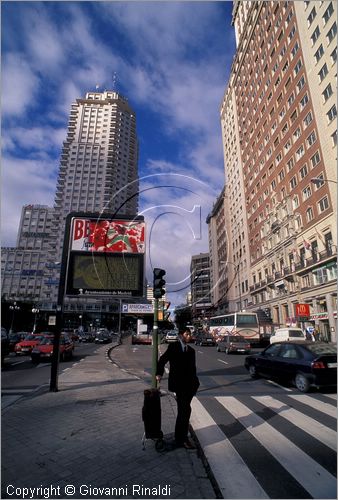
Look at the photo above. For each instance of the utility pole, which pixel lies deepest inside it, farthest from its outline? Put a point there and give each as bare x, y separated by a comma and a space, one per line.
155, 345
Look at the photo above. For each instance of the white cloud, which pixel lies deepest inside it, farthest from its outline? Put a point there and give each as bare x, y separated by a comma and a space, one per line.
23, 182
20, 86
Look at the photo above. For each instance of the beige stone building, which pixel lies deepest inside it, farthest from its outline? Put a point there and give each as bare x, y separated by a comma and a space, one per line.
278, 120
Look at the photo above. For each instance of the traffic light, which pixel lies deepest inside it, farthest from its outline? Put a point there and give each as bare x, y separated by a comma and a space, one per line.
159, 283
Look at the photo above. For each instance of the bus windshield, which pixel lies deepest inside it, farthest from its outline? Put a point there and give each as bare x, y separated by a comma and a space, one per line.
247, 320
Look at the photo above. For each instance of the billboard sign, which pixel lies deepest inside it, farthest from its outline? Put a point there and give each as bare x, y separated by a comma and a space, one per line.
116, 236
105, 255
302, 310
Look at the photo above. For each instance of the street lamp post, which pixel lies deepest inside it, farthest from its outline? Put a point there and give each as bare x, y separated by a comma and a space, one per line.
35, 311
319, 180
13, 308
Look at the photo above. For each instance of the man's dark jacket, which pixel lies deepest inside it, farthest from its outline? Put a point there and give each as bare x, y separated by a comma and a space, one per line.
182, 372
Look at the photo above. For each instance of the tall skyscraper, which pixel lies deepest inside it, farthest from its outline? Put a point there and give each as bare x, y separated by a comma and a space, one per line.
98, 173
280, 135
98, 166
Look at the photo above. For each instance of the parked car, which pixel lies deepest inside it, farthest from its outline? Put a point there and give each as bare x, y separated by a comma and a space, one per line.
205, 339
86, 337
233, 343
287, 334
71, 333
304, 364
14, 338
44, 350
171, 336
102, 338
26, 345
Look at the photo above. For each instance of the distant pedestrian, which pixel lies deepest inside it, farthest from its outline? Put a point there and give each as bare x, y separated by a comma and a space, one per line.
316, 334
182, 380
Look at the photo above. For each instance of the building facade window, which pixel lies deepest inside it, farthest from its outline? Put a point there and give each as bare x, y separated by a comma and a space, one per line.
323, 204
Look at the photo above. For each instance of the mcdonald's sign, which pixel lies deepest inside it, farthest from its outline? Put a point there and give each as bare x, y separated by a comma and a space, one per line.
302, 310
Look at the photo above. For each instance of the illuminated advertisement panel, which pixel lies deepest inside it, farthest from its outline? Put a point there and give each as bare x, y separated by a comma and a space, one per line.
108, 235
106, 256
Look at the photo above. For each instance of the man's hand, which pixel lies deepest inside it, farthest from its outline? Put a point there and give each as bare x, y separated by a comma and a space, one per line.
158, 378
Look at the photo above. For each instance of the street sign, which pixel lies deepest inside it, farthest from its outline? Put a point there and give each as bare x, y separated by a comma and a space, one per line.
137, 308
52, 320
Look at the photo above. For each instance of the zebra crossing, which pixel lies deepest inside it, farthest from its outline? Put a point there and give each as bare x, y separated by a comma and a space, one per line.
263, 446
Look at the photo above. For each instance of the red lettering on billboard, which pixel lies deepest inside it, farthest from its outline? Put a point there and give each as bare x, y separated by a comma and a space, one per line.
81, 228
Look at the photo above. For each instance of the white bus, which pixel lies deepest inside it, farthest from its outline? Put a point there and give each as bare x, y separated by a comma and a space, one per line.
244, 324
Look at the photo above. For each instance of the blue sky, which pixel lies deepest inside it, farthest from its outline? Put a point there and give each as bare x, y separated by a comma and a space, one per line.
172, 61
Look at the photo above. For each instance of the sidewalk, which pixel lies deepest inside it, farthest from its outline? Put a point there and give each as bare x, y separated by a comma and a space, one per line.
85, 441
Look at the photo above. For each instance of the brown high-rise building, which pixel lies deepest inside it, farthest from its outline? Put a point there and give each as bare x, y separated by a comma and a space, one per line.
279, 134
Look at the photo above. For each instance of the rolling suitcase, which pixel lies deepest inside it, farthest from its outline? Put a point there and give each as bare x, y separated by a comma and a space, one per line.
151, 416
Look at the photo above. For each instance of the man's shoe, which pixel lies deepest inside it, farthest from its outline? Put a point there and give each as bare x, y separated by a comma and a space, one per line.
188, 445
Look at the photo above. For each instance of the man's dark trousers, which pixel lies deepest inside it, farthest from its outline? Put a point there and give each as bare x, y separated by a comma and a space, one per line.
183, 400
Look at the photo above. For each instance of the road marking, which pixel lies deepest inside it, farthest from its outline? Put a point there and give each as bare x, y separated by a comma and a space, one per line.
201, 352
302, 467
317, 430
331, 396
280, 386
19, 362
222, 361
317, 405
238, 481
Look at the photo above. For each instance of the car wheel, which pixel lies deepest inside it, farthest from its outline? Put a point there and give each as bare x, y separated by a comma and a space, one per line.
302, 383
253, 371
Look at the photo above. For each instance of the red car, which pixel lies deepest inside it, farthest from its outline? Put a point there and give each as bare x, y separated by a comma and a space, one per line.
26, 345
44, 350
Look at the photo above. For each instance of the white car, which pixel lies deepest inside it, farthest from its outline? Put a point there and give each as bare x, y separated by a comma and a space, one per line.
287, 334
172, 336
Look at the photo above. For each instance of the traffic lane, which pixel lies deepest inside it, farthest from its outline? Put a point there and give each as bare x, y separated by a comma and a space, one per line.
224, 374
20, 372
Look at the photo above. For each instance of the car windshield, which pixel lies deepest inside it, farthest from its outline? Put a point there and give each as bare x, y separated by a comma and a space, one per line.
322, 349
296, 333
47, 341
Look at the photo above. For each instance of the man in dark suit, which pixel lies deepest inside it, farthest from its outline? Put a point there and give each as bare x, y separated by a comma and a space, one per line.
182, 380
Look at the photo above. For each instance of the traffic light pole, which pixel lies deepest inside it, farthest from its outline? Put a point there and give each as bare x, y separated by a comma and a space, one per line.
155, 345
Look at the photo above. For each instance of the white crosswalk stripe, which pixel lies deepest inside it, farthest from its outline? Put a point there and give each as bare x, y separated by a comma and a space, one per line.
305, 470
314, 403
219, 451
307, 424
308, 473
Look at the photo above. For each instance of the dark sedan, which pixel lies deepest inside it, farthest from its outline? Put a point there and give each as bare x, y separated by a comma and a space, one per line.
304, 364
205, 339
